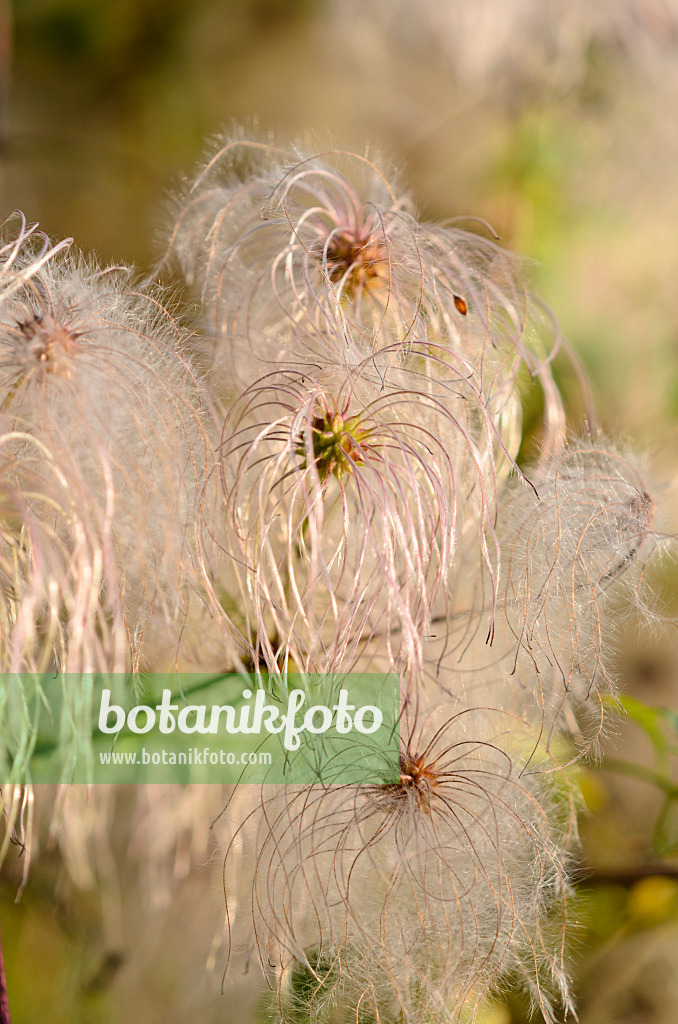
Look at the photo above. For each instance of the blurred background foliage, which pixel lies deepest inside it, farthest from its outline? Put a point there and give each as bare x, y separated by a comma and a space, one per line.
554, 120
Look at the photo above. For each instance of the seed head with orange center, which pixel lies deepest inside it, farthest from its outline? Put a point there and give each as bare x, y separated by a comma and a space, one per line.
430, 887
418, 780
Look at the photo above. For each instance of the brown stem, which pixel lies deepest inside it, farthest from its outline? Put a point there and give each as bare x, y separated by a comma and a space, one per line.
4, 1000
627, 876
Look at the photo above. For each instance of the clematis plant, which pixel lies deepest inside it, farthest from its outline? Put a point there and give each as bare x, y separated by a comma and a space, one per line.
324, 478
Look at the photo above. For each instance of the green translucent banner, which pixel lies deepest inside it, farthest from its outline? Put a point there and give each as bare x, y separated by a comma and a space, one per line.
167, 728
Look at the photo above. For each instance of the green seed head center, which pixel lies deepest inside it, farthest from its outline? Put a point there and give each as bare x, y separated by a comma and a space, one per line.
337, 444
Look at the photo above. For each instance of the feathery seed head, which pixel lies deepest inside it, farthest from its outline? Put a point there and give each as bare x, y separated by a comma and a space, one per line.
284, 243
93, 369
345, 503
427, 891
574, 550
292, 247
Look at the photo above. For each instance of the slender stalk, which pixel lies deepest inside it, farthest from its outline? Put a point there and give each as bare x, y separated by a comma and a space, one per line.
628, 876
4, 1000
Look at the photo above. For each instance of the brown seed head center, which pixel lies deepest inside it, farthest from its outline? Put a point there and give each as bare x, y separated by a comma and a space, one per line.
418, 781
49, 345
357, 260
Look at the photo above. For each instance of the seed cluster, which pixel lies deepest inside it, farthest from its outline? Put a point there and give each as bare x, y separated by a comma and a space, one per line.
329, 483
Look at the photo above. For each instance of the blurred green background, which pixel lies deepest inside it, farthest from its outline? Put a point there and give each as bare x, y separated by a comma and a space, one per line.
553, 119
